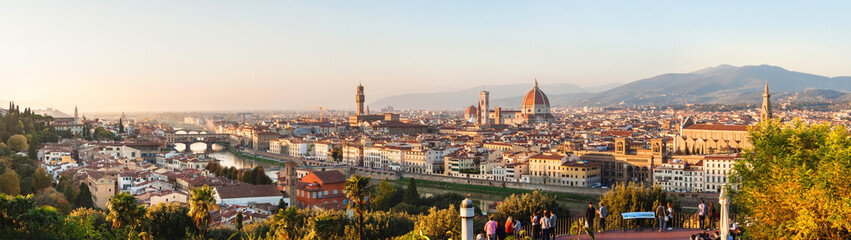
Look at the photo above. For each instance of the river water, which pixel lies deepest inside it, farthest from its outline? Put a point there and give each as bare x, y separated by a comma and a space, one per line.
228, 159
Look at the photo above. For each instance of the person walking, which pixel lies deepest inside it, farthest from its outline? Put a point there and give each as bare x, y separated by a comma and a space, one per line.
701, 212
589, 216
660, 215
553, 219
490, 229
670, 217
710, 213
602, 213
536, 227
545, 226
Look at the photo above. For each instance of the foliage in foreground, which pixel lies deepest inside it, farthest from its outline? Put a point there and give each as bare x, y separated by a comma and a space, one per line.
796, 182
635, 197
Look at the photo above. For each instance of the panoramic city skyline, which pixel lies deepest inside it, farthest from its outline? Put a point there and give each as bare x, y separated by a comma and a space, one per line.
279, 56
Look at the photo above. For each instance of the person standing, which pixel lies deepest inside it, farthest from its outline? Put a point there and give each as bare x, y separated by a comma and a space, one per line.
711, 215
670, 217
545, 226
490, 229
536, 227
553, 219
701, 212
660, 215
517, 228
589, 216
509, 226
602, 213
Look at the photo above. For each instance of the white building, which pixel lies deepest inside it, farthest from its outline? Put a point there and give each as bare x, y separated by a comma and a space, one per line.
678, 176
716, 169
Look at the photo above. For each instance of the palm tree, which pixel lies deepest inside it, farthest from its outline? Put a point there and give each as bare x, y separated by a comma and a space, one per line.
124, 210
358, 189
200, 204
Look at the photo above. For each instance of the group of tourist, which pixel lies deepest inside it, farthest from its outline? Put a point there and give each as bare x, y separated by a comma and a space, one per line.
600, 214
705, 213
543, 227
665, 215
708, 234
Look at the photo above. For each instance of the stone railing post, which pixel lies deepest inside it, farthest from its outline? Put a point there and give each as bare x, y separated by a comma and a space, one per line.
467, 215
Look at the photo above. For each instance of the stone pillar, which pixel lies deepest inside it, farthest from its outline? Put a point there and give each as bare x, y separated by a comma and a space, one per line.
467, 215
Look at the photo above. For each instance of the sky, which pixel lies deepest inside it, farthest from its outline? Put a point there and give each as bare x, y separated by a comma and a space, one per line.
112, 56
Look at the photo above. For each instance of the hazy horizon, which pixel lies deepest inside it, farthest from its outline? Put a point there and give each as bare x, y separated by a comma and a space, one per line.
156, 56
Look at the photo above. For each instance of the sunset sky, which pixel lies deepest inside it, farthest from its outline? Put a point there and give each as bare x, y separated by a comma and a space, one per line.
275, 55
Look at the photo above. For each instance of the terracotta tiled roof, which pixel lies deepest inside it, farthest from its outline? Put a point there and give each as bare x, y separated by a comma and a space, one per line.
330, 176
718, 127
248, 190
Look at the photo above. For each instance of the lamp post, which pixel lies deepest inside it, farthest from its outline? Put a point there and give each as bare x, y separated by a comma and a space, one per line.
725, 214
467, 215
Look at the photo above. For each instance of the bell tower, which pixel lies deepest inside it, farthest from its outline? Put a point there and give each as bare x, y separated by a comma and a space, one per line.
766, 105
484, 101
359, 99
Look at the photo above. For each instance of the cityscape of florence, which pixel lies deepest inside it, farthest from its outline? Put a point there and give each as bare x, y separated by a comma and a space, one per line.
490, 120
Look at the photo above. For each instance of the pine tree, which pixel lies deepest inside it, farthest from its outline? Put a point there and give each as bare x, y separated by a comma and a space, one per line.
120, 125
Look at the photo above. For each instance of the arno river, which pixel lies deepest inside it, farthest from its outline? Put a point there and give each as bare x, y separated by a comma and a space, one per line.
228, 159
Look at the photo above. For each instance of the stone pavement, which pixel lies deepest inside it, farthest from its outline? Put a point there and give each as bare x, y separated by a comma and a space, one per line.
676, 234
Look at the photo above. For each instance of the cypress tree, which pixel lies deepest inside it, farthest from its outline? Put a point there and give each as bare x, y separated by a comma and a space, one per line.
411, 197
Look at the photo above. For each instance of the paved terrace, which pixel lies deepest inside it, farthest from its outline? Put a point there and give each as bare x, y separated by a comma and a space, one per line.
676, 234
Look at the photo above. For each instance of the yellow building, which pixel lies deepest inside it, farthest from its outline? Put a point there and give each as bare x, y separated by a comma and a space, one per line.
580, 174
545, 168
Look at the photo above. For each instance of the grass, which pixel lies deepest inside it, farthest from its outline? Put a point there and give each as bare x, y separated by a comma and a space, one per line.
490, 189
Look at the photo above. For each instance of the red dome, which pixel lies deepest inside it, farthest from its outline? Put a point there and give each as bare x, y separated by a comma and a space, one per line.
471, 111
535, 97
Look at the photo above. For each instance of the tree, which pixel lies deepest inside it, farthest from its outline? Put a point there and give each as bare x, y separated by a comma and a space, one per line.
521, 206
9, 183
18, 143
200, 204
84, 199
42, 223
50, 197
120, 125
169, 221
440, 224
635, 197
238, 221
42, 179
124, 211
795, 182
382, 201
281, 204
337, 154
358, 189
412, 197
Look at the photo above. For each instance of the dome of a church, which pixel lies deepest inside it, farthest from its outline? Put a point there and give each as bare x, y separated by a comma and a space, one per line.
535, 97
471, 111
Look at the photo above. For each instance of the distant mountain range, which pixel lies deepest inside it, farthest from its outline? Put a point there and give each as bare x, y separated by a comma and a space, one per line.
501, 95
723, 84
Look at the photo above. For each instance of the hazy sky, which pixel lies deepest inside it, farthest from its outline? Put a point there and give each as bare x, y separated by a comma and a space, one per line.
233, 55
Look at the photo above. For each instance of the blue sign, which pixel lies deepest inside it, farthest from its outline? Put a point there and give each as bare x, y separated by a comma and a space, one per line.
635, 215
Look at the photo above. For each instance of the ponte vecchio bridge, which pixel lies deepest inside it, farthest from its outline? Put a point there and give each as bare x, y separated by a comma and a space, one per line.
190, 137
